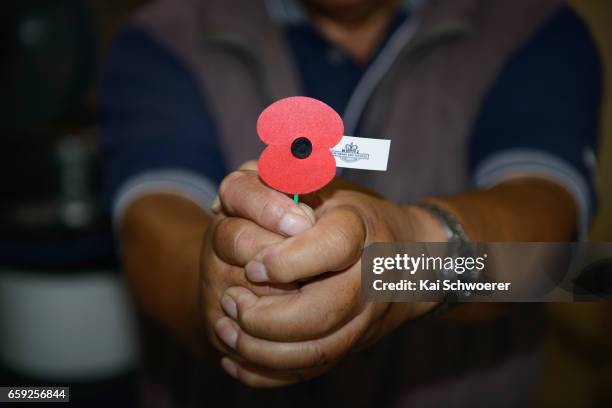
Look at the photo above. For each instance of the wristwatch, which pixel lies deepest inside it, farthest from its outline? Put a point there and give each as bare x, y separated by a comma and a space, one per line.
459, 245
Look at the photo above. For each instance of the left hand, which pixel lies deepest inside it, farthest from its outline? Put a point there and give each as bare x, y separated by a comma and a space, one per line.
283, 339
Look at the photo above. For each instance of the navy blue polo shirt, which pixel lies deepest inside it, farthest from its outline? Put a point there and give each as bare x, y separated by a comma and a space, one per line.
540, 115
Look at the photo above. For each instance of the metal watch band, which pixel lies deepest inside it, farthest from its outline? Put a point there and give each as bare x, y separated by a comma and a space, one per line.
460, 245
454, 229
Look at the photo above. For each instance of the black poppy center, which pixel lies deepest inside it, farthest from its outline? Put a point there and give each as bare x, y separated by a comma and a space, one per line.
301, 148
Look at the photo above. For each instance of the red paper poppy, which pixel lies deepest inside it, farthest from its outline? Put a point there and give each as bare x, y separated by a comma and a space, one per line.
299, 132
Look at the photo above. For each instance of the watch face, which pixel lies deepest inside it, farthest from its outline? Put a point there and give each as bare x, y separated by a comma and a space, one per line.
457, 249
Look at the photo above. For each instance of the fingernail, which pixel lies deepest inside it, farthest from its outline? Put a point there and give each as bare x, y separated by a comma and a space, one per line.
216, 204
229, 306
308, 212
294, 224
230, 367
256, 272
227, 332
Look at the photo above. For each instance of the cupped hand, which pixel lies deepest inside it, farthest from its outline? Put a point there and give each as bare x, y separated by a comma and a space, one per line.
229, 244
280, 339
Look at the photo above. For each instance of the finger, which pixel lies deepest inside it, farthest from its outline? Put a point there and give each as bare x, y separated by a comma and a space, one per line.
308, 212
291, 355
218, 275
237, 240
252, 378
312, 200
333, 244
314, 311
242, 194
248, 165
260, 378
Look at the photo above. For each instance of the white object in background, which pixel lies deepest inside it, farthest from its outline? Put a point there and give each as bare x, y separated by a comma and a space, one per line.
69, 326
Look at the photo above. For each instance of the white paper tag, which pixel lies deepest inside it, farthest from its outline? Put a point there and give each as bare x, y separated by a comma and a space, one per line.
362, 153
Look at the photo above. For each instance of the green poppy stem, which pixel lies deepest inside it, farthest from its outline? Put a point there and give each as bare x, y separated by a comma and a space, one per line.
295, 198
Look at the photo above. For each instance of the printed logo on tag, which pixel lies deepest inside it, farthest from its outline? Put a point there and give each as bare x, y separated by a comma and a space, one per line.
362, 153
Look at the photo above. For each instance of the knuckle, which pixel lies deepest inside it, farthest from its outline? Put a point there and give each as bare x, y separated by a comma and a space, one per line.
219, 229
347, 232
278, 271
246, 323
340, 240
225, 188
270, 212
241, 239
353, 219
319, 356
219, 235
329, 318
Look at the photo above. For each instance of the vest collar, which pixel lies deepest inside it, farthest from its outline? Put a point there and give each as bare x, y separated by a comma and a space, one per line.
291, 12
263, 49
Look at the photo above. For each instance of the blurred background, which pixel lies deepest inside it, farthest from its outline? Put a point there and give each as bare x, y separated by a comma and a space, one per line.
65, 316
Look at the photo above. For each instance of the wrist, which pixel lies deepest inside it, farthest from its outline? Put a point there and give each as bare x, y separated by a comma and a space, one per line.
423, 226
